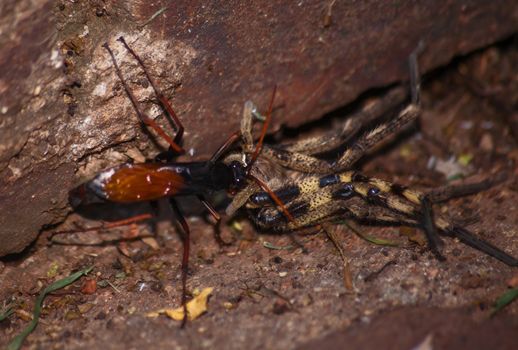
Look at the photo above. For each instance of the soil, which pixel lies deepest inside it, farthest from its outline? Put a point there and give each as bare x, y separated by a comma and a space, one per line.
286, 298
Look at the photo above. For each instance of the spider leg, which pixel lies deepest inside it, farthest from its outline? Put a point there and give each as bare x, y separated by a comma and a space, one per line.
332, 234
415, 211
368, 112
308, 163
403, 200
246, 127
473, 241
316, 199
241, 197
385, 216
389, 216
448, 192
434, 242
373, 138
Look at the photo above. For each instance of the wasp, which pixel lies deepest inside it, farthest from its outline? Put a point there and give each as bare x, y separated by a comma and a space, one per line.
163, 178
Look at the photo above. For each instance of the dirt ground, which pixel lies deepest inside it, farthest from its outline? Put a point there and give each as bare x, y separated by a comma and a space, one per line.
266, 298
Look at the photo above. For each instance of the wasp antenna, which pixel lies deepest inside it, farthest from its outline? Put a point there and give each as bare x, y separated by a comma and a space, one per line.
259, 145
225, 146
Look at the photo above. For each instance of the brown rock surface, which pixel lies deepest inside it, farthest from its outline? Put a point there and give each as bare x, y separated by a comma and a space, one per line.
62, 108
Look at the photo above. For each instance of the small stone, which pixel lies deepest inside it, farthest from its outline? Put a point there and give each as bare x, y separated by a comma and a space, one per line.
486, 142
228, 305
84, 308
280, 306
89, 287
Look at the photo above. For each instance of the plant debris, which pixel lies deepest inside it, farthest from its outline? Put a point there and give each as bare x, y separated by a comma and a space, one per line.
195, 307
504, 300
17, 341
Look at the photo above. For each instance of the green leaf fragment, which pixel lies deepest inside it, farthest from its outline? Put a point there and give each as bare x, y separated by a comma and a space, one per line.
6, 313
53, 270
456, 176
371, 239
465, 158
504, 300
17, 341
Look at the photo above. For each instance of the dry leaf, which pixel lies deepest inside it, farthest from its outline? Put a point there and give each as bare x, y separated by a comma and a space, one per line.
426, 344
195, 307
151, 241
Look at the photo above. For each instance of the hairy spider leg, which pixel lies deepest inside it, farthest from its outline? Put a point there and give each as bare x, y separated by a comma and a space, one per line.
318, 199
258, 148
259, 145
304, 161
310, 164
367, 113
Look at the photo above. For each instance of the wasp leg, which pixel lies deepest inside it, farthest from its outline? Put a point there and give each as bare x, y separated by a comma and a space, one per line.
146, 120
105, 226
185, 256
164, 103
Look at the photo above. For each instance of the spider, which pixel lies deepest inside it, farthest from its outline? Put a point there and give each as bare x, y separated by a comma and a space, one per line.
318, 191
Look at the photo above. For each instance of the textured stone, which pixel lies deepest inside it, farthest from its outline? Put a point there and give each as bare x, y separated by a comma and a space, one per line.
62, 110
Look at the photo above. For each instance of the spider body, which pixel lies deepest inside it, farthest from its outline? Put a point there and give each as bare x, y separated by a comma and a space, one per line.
317, 191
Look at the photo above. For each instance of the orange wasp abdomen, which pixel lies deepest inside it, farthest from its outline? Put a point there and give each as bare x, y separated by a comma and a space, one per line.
139, 182
151, 181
